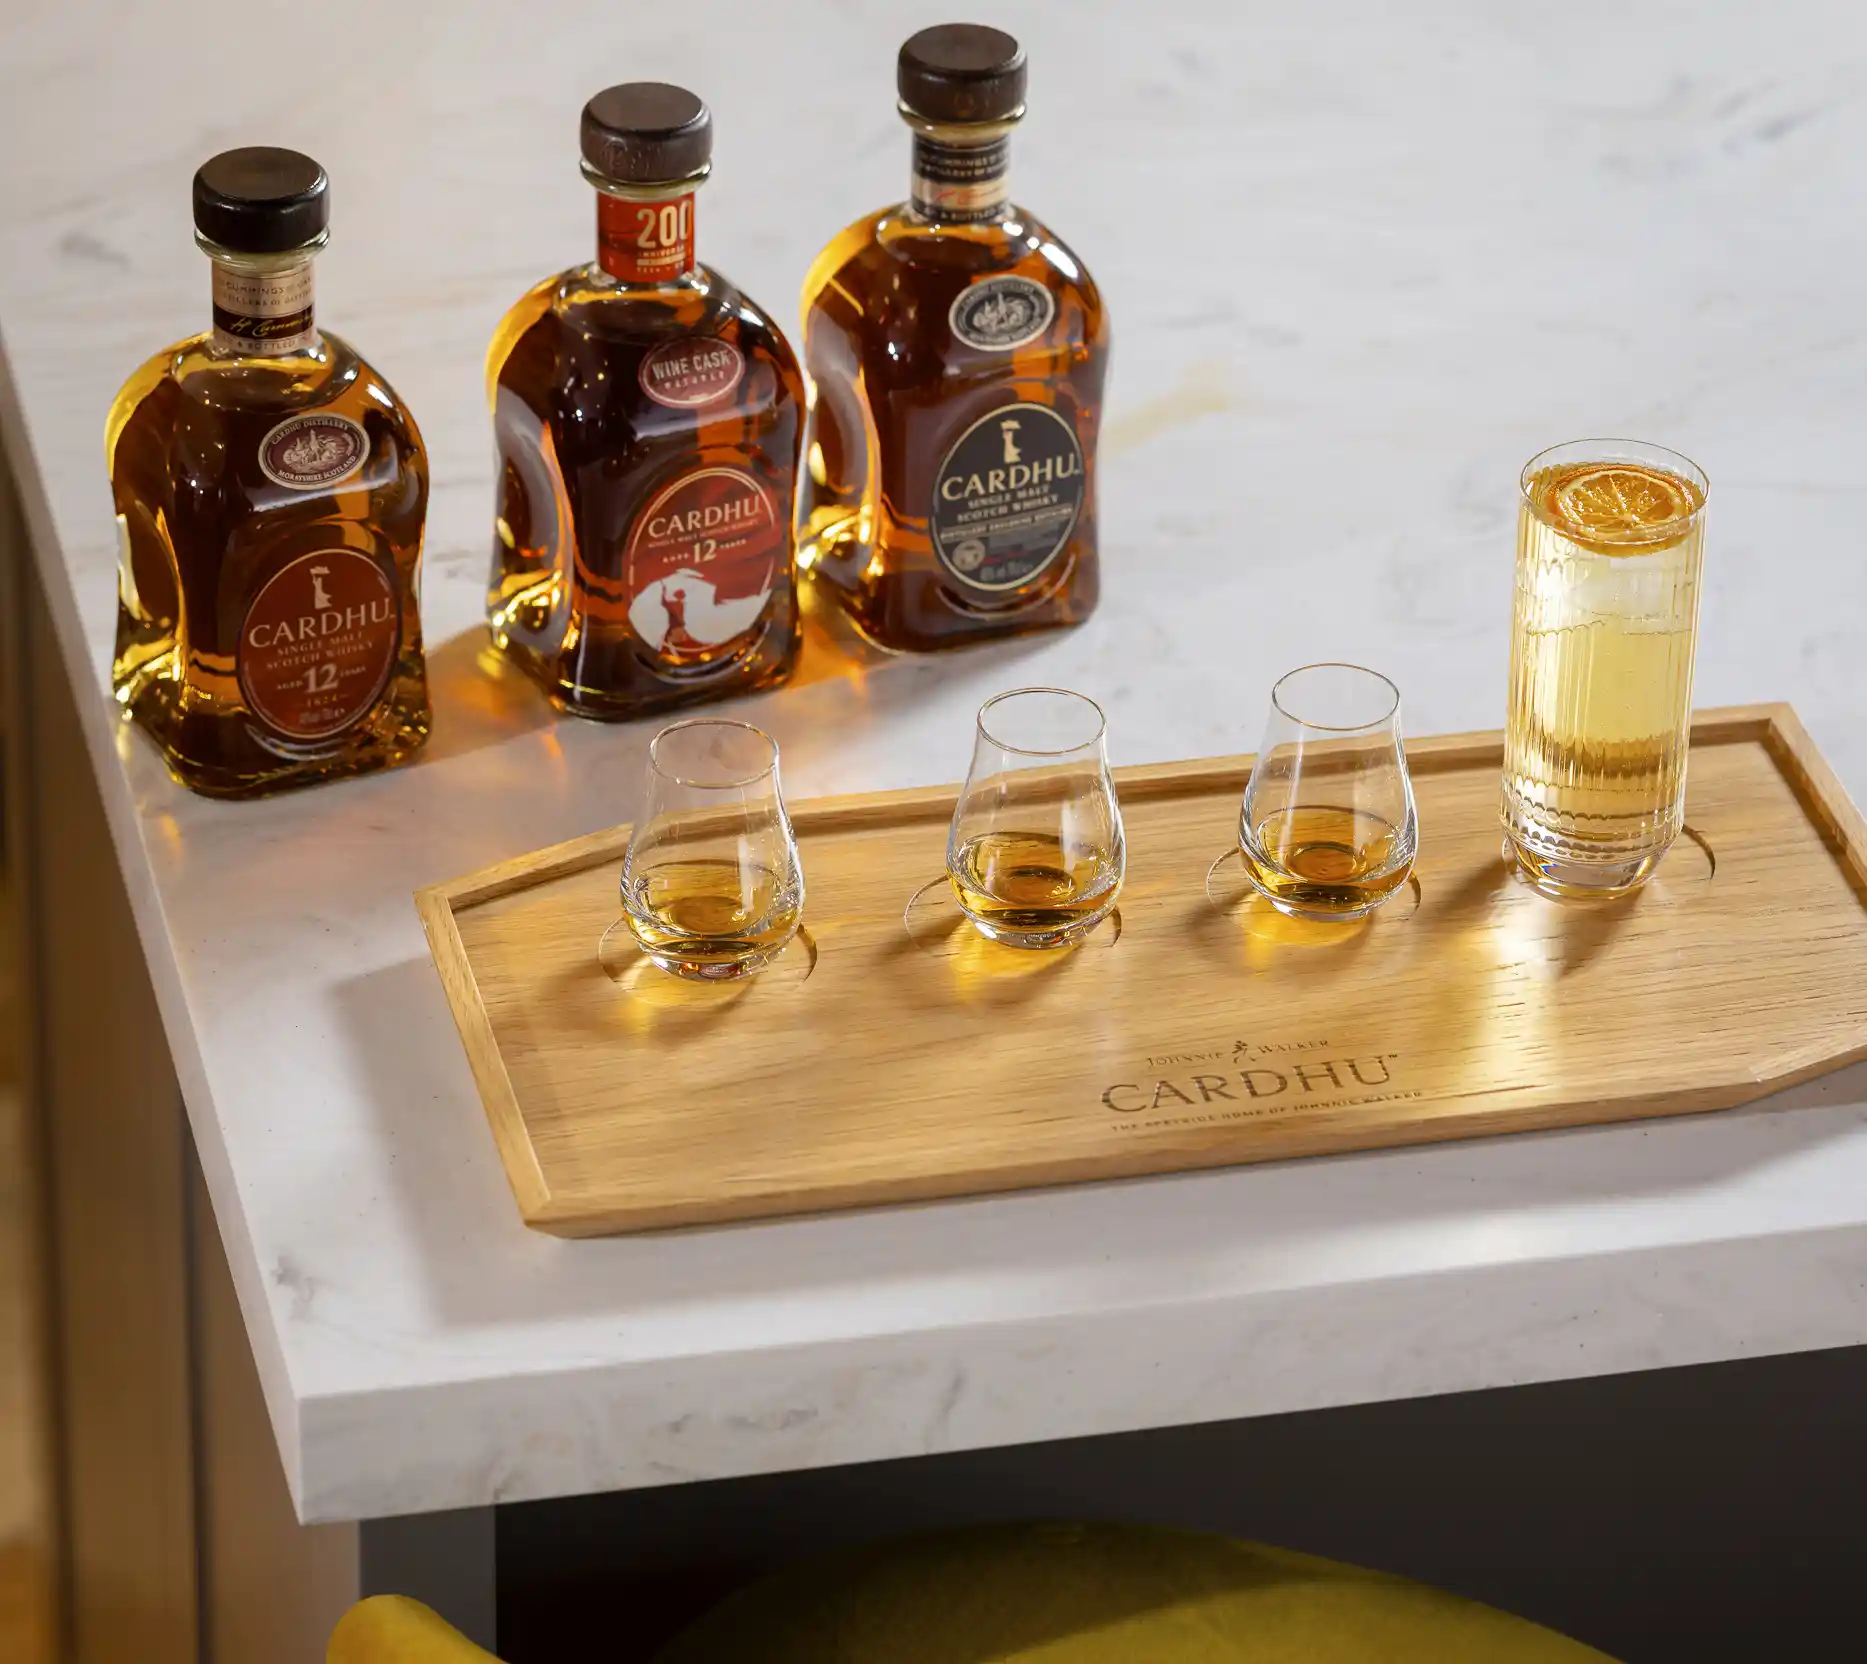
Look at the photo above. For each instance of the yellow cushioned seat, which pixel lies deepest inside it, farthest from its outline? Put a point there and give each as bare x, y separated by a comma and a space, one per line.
1074, 1594
1056, 1594
389, 1629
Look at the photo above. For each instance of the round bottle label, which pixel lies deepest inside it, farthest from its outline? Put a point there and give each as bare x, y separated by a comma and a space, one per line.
307, 453
997, 314
1007, 496
701, 561
319, 642
684, 375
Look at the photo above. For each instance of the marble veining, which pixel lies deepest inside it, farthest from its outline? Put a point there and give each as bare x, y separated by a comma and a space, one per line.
1361, 262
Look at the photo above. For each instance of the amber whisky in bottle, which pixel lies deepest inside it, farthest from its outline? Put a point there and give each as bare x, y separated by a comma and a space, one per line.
956, 351
648, 417
270, 493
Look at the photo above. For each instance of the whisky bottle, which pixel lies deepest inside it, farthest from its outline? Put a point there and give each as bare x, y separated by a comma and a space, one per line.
648, 417
270, 493
956, 351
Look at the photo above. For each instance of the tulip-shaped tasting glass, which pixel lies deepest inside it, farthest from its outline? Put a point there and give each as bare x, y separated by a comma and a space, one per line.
1328, 828
1036, 854
711, 884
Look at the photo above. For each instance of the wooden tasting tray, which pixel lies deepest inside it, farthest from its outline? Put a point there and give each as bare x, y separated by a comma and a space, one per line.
1207, 1030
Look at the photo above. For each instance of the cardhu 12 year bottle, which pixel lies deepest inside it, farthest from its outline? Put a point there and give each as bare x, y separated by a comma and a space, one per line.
270, 491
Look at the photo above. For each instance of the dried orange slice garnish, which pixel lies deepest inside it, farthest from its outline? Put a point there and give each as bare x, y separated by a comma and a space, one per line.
1612, 500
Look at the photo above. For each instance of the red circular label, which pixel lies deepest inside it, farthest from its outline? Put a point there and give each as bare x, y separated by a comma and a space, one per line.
701, 561
685, 374
319, 642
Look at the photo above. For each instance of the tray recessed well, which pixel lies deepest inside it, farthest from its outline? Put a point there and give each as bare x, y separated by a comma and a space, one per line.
886, 1061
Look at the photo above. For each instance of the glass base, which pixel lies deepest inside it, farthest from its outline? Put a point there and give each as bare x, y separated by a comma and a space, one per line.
1060, 936
1565, 877
695, 968
1322, 915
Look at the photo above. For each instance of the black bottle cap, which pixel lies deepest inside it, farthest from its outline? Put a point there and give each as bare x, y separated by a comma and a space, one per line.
960, 73
647, 133
261, 200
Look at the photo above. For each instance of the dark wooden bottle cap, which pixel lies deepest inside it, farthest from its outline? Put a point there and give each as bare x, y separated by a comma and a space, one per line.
961, 72
647, 133
261, 200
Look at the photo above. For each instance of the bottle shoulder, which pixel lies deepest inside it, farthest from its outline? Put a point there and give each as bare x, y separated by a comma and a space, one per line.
153, 375
585, 302
908, 309
203, 380
581, 329
893, 244
891, 271
191, 420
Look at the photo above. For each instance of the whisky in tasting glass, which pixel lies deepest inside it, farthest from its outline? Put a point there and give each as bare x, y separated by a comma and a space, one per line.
270, 493
956, 351
711, 884
1328, 828
1610, 537
1036, 855
648, 417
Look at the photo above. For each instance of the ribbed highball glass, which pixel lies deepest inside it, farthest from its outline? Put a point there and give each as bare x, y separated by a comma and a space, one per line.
1610, 534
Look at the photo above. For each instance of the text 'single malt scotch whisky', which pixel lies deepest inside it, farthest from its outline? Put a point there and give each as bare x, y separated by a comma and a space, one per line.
648, 417
270, 491
956, 350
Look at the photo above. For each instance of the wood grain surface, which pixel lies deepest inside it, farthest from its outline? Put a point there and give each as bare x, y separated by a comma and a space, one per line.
903, 1064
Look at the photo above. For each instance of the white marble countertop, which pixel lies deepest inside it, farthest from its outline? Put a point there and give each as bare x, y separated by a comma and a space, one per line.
1362, 261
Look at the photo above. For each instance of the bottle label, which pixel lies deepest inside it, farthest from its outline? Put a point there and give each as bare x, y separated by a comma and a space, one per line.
319, 643
263, 314
701, 561
997, 314
953, 183
1007, 497
684, 375
313, 451
645, 242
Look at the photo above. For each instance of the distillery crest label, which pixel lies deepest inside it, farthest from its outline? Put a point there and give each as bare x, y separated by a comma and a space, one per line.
1000, 313
701, 561
1007, 496
308, 453
686, 374
319, 642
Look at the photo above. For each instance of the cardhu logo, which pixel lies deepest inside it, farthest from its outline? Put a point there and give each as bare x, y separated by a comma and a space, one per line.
1289, 1074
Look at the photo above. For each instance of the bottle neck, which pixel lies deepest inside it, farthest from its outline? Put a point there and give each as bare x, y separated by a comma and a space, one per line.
263, 304
646, 237
961, 176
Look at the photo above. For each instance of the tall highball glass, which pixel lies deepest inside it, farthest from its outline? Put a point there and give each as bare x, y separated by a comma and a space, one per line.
1610, 534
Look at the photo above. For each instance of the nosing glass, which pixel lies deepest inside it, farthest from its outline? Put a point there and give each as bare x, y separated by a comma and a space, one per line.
1279, 696
713, 785
1081, 699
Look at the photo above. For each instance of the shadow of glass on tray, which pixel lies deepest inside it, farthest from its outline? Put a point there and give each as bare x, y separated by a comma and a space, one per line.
1519, 926
1246, 912
659, 1003
944, 955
